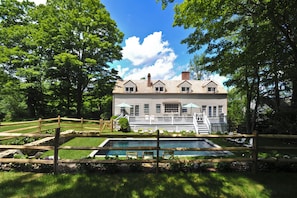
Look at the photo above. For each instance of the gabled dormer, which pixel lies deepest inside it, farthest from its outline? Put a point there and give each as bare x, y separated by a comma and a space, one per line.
130, 87
185, 87
210, 87
159, 86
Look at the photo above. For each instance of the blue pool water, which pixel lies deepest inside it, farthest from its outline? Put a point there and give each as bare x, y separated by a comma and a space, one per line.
167, 143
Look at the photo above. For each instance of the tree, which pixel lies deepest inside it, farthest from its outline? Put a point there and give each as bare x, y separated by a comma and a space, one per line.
58, 55
236, 109
78, 39
199, 68
15, 53
252, 42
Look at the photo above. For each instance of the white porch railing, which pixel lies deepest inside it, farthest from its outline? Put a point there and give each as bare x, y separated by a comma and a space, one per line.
206, 121
195, 124
151, 119
199, 122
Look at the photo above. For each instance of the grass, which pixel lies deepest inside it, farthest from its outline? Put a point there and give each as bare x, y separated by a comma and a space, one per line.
262, 185
77, 154
274, 184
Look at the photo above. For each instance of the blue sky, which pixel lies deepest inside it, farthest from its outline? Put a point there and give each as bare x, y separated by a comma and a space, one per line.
151, 44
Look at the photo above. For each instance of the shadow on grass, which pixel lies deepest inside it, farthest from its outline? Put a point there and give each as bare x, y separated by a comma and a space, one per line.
147, 185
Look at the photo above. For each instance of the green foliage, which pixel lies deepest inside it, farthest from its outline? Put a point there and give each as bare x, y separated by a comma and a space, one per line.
124, 123
250, 42
58, 53
198, 68
236, 104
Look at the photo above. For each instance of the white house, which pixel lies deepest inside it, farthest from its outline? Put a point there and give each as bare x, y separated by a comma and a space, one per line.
182, 103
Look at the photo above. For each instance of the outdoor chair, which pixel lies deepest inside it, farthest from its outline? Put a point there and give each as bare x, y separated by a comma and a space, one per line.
168, 155
250, 143
147, 155
240, 140
131, 154
230, 139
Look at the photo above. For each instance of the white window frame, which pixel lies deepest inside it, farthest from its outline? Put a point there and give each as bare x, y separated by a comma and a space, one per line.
171, 108
158, 108
146, 109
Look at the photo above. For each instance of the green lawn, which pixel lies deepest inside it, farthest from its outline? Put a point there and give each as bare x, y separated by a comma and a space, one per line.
79, 142
150, 185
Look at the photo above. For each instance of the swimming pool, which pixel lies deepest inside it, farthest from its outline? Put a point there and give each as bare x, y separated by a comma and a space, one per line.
164, 143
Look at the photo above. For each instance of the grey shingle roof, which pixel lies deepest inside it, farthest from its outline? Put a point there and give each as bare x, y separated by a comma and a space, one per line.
171, 86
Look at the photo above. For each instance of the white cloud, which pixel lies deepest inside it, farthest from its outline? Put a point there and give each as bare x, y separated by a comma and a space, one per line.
150, 49
219, 79
121, 71
152, 56
161, 69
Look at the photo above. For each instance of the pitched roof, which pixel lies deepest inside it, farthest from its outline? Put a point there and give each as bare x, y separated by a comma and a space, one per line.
172, 86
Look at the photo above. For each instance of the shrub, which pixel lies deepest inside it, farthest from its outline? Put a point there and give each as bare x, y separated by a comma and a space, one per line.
135, 167
224, 167
111, 168
124, 124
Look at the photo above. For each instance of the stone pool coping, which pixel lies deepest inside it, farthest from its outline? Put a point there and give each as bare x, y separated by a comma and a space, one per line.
93, 153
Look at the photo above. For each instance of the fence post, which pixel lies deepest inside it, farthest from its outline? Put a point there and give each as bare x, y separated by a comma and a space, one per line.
111, 124
39, 125
56, 150
255, 152
101, 125
82, 123
59, 121
158, 149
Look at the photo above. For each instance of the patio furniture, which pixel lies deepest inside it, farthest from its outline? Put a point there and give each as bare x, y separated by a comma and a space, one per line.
147, 155
168, 155
131, 154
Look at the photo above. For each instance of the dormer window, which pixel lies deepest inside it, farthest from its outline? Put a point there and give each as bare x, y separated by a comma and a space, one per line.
211, 89
129, 89
185, 89
159, 89
159, 86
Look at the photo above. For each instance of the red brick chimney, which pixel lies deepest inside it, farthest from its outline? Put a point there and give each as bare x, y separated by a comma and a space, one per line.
185, 75
149, 83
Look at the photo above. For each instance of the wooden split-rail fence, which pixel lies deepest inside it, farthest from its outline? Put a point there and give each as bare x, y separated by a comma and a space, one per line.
50, 129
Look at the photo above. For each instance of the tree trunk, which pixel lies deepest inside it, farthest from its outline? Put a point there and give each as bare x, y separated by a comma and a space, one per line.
294, 94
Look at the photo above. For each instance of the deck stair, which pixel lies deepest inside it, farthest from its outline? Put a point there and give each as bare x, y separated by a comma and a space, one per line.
202, 128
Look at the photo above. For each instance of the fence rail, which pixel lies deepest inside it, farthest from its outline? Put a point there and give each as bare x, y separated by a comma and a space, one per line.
43, 125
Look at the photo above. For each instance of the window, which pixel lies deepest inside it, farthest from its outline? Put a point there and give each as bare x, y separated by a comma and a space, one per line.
209, 111
136, 110
185, 89
171, 108
204, 108
184, 109
146, 109
132, 110
220, 109
158, 108
159, 89
211, 89
214, 109
129, 89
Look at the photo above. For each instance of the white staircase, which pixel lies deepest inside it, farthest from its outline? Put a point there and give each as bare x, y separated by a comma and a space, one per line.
202, 128
201, 123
